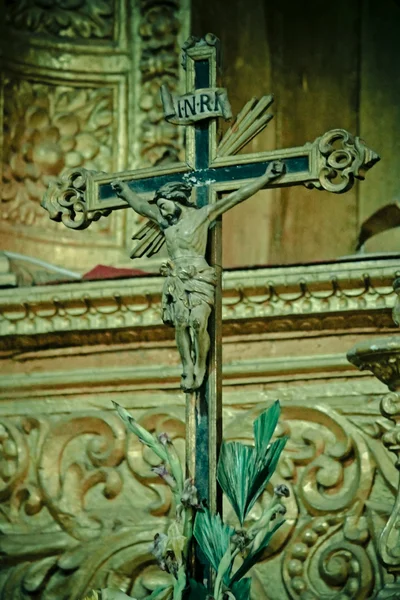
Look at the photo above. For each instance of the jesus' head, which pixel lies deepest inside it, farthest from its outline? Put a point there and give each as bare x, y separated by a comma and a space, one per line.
170, 199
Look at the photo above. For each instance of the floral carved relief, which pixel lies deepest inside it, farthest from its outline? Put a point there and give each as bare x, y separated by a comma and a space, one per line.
46, 130
85, 19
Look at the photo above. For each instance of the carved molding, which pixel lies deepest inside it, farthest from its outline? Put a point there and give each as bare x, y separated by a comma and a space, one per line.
293, 298
164, 376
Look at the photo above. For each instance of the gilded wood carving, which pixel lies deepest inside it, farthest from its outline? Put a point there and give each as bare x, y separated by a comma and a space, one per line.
65, 75
76, 514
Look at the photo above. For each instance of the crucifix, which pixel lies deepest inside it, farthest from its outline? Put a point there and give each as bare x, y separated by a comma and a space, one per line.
183, 204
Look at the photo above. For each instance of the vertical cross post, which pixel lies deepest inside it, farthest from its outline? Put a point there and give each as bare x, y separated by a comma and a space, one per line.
204, 406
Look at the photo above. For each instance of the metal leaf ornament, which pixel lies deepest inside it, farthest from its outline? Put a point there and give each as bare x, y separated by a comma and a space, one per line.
213, 537
244, 471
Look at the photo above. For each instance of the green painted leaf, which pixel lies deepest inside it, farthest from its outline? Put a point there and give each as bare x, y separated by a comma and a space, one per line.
255, 556
213, 536
241, 589
144, 436
264, 427
264, 467
244, 471
235, 468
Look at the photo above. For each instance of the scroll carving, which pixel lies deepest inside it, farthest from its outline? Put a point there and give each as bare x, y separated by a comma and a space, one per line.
91, 463
87, 19
67, 499
339, 159
66, 200
340, 564
48, 129
382, 358
84, 501
14, 461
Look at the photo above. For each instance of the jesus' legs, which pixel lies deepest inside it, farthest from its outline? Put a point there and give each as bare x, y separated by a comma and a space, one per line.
198, 324
183, 342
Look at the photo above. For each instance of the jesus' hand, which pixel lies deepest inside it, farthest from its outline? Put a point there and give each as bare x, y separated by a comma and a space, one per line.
120, 188
275, 169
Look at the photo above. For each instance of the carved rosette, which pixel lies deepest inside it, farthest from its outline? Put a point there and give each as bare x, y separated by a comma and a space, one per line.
66, 200
339, 159
49, 129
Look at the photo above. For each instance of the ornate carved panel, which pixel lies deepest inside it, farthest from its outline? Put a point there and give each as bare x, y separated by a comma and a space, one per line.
46, 129
80, 503
80, 88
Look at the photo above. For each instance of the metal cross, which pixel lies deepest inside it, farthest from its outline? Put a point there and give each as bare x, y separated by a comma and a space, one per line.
331, 162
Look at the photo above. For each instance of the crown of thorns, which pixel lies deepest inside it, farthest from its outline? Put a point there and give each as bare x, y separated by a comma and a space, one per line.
177, 191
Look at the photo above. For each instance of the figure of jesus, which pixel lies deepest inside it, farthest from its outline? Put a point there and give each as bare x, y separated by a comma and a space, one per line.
189, 288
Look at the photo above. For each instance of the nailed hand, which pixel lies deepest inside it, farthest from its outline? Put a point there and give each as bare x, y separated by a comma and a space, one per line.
275, 169
120, 187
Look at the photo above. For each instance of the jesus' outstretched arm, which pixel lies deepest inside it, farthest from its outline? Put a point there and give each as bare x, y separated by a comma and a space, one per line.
139, 205
275, 169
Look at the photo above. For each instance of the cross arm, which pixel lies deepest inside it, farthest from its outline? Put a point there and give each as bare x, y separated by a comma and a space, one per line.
333, 162
80, 196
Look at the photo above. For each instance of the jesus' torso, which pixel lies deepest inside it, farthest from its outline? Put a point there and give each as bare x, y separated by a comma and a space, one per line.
187, 239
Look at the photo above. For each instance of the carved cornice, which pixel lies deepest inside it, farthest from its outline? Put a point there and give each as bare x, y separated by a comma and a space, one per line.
303, 298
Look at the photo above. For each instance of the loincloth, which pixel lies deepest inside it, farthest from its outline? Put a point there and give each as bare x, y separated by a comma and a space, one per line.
185, 288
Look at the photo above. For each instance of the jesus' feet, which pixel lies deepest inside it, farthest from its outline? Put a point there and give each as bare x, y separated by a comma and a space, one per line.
187, 382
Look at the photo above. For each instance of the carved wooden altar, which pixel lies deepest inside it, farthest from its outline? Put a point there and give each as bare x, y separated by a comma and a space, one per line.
79, 503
